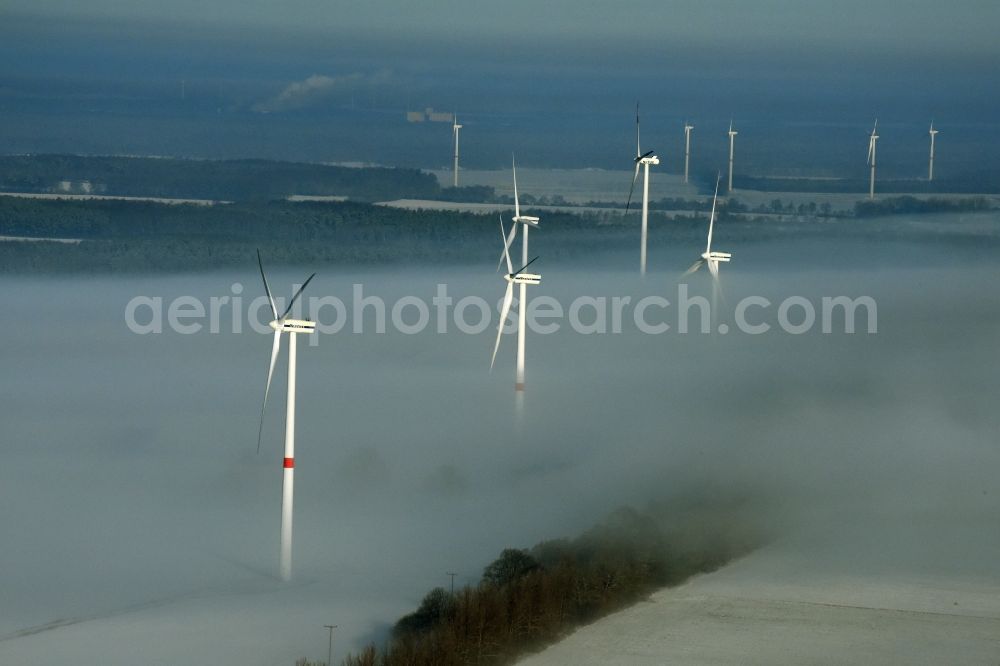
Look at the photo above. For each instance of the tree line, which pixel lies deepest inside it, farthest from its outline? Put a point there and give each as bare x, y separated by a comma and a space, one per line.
222, 180
122, 236
529, 598
908, 205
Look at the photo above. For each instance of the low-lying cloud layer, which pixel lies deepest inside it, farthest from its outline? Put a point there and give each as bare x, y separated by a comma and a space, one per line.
132, 472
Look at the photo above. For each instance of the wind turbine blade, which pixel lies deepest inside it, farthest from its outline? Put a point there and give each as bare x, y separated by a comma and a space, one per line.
507, 245
517, 204
297, 294
503, 239
713, 268
711, 219
635, 176
694, 267
871, 148
507, 298
521, 270
267, 289
276, 345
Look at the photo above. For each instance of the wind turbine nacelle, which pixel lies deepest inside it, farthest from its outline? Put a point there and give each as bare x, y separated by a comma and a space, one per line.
524, 278
716, 256
527, 219
652, 159
294, 326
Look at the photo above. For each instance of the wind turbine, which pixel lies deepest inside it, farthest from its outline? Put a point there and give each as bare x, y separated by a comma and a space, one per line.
872, 138
521, 279
709, 257
282, 324
644, 160
930, 166
454, 128
527, 221
732, 138
687, 148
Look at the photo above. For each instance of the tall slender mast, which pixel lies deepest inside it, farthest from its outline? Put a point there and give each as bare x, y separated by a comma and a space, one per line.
872, 140
643, 159
930, 166
288, 465
645, 216
455, 127
732, 136
687, 149
871, 184
522, 310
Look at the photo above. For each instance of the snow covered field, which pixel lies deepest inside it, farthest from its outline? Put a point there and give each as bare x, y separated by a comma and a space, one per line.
577, 186
581, 186
778, 608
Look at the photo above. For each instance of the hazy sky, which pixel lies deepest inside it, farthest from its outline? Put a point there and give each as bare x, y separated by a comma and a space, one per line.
964, 26
112, 72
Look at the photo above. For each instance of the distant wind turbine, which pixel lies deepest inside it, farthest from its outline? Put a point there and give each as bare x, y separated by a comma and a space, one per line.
282, 324
454, 128
872, 138
709, 257
521, 279
930, 166
732, 138
644, 160
526, 221
687, 148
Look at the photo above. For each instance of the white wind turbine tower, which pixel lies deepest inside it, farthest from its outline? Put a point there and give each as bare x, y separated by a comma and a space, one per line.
293, 327
732, 138
644, 160
527, 221
872, 138
454, 128
687, 148
521, 279
930, 166
709, 257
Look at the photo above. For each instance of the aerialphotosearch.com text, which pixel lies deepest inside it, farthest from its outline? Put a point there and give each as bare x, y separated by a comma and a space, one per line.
585, 314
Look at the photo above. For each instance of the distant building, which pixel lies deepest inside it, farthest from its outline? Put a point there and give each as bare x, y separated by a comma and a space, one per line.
74, 187
437, 117
429, 115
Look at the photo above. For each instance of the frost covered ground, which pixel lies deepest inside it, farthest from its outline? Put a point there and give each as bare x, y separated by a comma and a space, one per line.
777, 608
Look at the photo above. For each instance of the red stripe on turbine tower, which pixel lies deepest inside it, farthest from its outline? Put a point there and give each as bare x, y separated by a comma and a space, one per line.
289, 463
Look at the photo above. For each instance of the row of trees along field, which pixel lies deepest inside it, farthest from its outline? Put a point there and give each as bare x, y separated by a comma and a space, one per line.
527, 599
123, 236
221, 180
